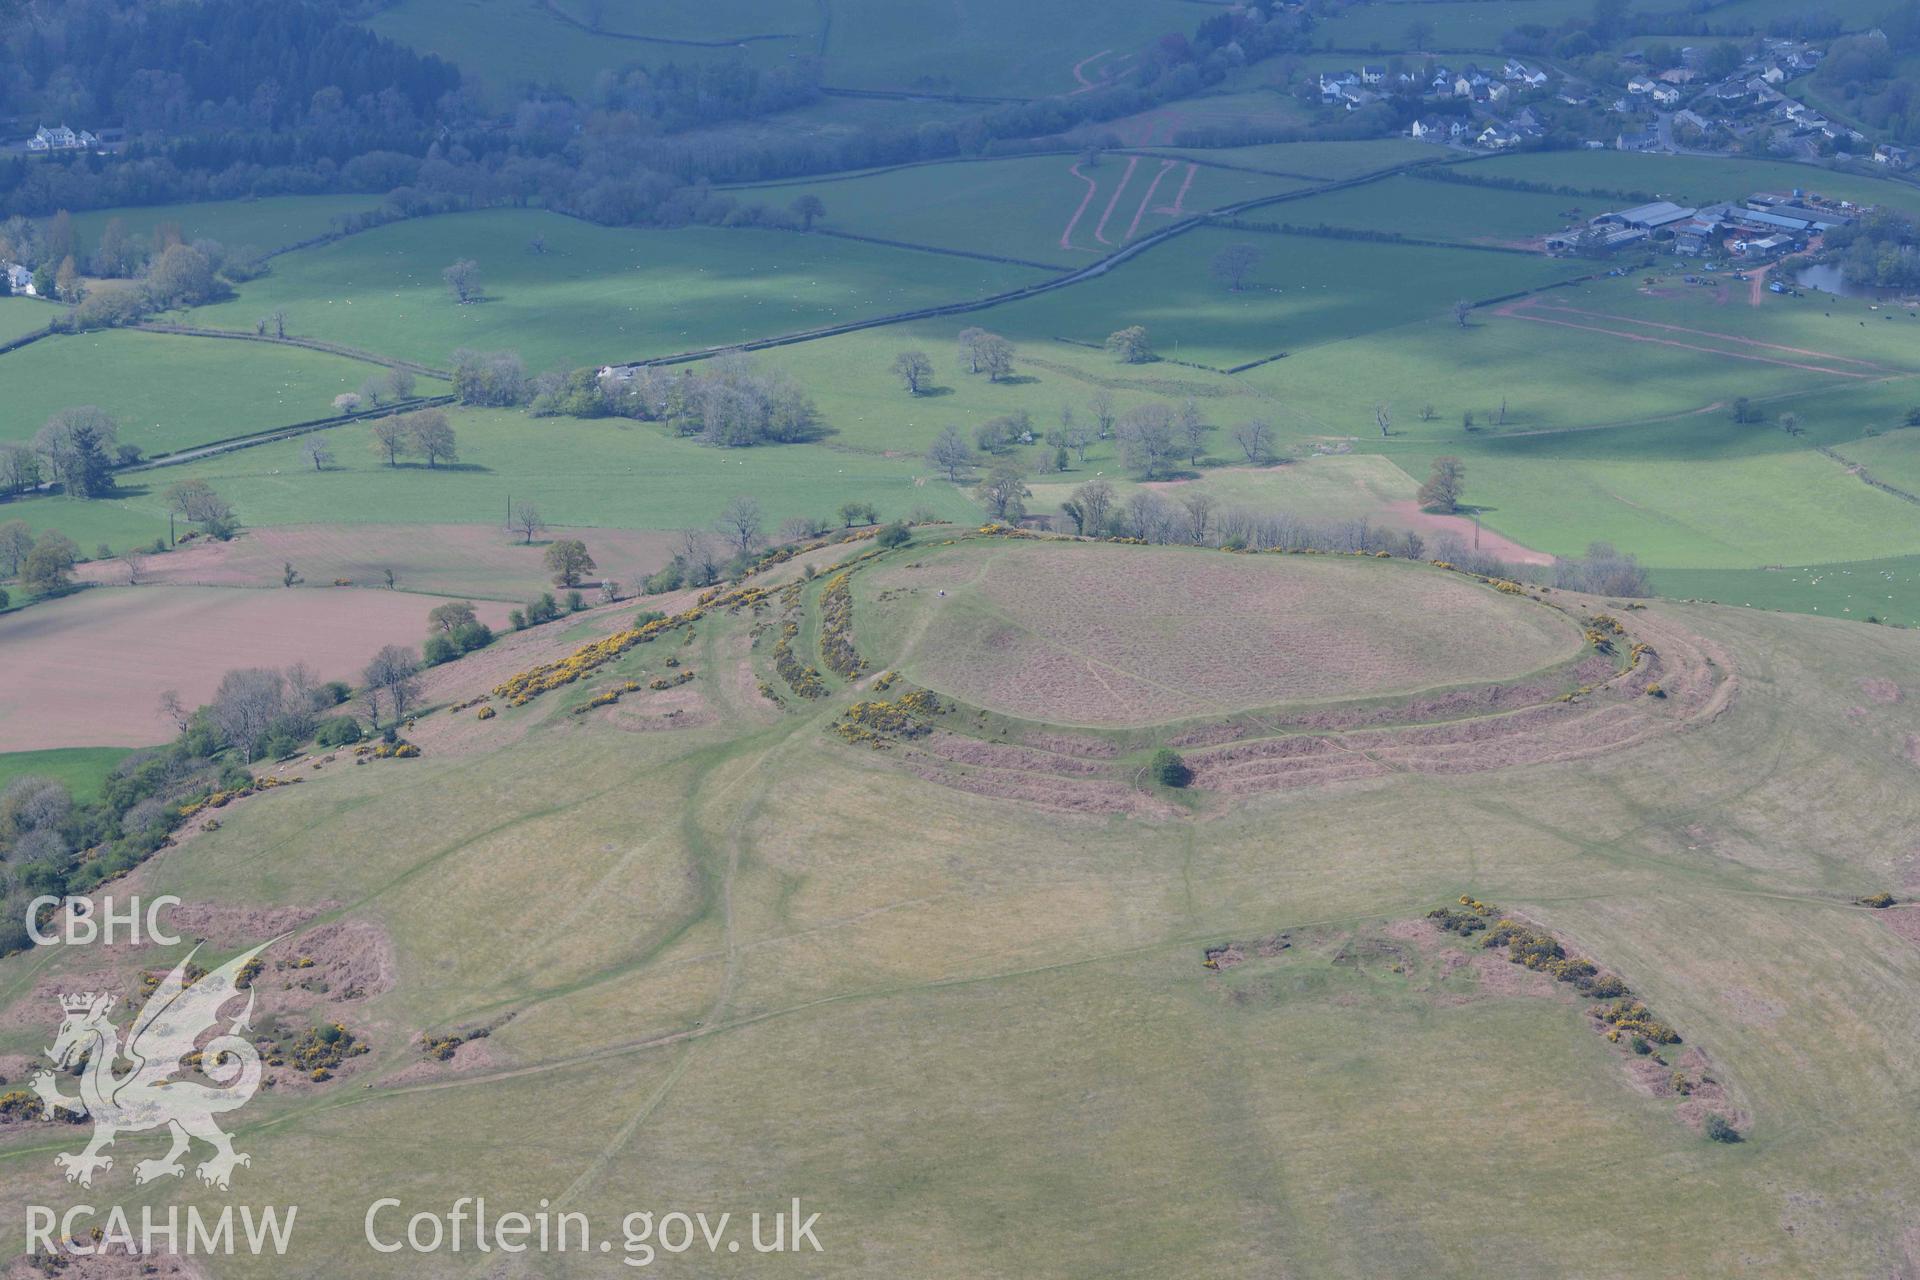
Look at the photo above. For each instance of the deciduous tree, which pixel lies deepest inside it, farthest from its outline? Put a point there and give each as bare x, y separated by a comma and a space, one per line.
431, 436
741, 523
391, 439
463, 280
317, 452
1088, 507
1004, 491
1255, 438
1100, 405
245, 706
16, 540
49, 565
1146, 438
1130, 345
1193, 431
1234, 265
996, 357
914, 370
197, 502
1445, 479
950, 453
19, 468
392, 677
74, 442
526, 519
807, 208
567, 560
450, 617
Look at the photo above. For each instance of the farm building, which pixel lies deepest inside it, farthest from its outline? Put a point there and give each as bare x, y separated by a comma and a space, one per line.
1891, 156
1648, 217
1771, 220
1819, 219
1764, 246
1597, 238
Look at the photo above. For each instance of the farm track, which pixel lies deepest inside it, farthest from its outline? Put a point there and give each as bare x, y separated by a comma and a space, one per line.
1526, 310
1723, 337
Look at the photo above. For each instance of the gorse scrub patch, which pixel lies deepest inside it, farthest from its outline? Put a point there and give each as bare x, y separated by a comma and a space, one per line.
836, 628
879, 724
1539, 950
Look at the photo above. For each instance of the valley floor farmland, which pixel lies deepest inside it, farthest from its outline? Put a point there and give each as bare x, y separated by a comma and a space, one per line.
478, 561
169, 392
1305, 291
1055, 209
589, 294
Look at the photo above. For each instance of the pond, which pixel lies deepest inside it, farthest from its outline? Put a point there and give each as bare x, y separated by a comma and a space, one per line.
1828, 278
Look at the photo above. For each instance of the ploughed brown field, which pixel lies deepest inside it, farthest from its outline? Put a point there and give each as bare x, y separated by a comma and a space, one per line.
89, 669
482, 561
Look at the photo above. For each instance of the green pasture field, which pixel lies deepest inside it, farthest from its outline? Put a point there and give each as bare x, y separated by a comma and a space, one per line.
168, 391
1023, 48
1694, 179
1717, 497
1325, 160
23, 315
1893, 457
815, 974
604, 473
1854, 15
834, 116
83, 770
506, 44
597, 293
1305, 292
1470, 25
1319, 488
270, 222
1856, 590
1837, 365
1024, 208
1261, 109
851, 379
1424, 210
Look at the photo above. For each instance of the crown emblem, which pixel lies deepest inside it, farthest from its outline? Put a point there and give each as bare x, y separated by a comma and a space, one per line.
78, 1003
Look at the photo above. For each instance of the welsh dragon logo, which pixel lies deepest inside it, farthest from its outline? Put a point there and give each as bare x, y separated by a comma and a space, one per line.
148, 1093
